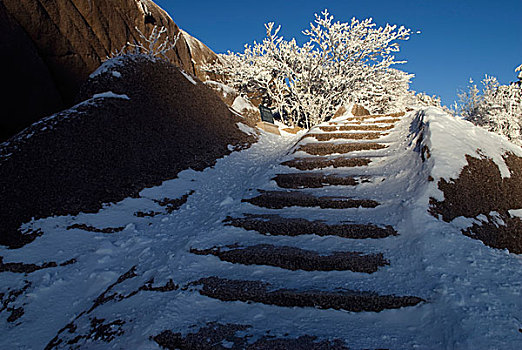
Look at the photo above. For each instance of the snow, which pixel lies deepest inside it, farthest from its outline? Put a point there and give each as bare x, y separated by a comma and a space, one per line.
516, 212
450, 139
109, 65
240, 104
473, 292
189, 77
222, 87
110, 94
246, 129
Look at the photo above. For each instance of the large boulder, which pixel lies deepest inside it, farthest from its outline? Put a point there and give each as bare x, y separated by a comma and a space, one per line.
141, 122
69, 39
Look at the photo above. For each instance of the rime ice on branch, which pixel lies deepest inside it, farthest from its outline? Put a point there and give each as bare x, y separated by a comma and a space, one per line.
156, 45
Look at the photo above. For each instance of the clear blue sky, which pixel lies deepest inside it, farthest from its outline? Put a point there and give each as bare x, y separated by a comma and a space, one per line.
460, 38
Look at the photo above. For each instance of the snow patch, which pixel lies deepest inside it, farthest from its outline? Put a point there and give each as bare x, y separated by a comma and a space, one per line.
189, 77
246, 129
225, 89
516, 213
240, 104
110, 94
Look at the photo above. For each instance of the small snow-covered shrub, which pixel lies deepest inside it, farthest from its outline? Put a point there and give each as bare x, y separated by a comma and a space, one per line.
155, 45
496, 107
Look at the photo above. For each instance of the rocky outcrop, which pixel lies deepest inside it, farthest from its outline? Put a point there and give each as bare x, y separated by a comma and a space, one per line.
201, 55
28, 90
140, 123
69, 39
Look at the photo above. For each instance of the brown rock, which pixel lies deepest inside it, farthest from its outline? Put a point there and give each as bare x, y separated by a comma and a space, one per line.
110, 148
200, 55
341, 111
294, 130
268, 127
359, 111
226, 93
480, 189
70, 40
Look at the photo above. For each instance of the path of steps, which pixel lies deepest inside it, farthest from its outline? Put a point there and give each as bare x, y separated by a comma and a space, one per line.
314, 185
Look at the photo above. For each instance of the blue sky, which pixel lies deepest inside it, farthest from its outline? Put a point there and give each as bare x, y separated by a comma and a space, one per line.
459, 39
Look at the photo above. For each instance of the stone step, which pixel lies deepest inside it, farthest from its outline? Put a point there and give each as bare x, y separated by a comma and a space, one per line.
311, 163
283, 199
261, 292
213, 336
291, 258
380, 120
316, 180
356, 128
375, 116
323, 149
346, 136
275, 225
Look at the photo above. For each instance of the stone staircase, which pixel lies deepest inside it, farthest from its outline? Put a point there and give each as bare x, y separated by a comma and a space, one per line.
318, 165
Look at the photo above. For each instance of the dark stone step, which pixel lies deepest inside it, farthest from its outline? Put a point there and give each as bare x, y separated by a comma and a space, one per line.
374, 116
323, 162
213, 335
283, 199
315, 180
356, 128
260, 292
323, 149
292, 258
276, 225
346, 136
388, 120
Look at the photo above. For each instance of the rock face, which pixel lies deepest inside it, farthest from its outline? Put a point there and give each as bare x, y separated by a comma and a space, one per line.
200, 55
69, 39
359, 111
141, 123
29, 90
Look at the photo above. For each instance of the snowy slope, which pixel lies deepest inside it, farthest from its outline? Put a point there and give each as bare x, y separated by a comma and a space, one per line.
471, 292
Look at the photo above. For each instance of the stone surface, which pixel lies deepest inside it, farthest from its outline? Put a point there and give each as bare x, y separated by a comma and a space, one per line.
31, 92
268, 127
107, 149
358, 110
68, 39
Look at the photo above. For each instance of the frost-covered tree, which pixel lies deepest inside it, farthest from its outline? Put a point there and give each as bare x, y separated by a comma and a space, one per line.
496, 107
340, 63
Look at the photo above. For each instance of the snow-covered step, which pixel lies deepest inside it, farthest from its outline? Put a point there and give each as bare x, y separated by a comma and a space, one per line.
261, 292
292, 258
214, 335
275, 225
316, 180
380, 120
375, 116
283, 199
358, 127
323, 149
345, 136
311, 163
